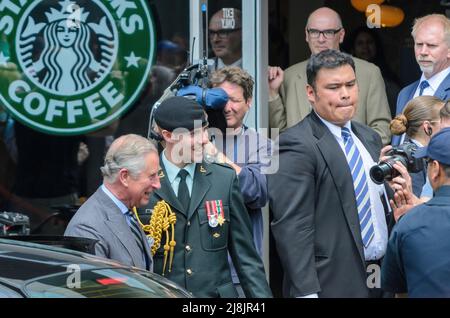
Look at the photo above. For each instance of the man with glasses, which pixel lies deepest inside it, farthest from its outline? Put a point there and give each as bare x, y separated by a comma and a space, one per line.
225, 36
288, 103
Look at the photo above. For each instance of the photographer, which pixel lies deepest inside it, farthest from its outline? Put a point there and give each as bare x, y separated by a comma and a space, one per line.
417, 256
420, 120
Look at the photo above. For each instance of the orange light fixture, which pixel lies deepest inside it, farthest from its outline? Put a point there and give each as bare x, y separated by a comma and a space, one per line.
361, 5
390, 16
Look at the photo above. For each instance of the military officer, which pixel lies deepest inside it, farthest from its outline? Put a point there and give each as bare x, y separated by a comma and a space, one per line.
198, 214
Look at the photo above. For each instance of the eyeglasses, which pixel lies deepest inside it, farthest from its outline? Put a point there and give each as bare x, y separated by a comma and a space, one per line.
221, 34
328, 34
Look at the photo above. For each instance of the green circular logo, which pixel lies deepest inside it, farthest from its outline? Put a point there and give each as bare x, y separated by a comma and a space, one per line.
71, 67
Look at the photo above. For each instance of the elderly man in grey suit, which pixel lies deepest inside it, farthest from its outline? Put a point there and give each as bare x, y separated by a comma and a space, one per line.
130, 174
288, 102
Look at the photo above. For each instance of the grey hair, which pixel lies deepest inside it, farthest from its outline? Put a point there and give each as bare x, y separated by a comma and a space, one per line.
126, 152
436, 17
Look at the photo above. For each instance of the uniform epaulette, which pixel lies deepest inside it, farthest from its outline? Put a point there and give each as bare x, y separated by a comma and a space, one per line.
226, 165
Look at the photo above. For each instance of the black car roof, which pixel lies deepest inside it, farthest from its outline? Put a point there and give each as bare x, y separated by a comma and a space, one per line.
24, 261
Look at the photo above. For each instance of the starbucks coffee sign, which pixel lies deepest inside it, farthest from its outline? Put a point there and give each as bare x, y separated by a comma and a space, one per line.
73, 66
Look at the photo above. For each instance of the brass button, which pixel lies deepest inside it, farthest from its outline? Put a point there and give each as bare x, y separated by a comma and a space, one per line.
188, 248
189, 271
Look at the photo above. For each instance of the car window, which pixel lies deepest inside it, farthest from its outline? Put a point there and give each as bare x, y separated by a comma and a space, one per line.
101, 283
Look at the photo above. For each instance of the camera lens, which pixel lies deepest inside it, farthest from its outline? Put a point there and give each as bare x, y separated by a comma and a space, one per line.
385, 170
379, 172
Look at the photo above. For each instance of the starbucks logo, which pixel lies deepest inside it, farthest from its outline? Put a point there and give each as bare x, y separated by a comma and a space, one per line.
78, 65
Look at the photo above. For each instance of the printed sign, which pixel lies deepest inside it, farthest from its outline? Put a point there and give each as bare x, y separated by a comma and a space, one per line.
71, 67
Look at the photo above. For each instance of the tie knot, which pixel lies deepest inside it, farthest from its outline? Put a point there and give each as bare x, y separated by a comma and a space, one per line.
345, 132
183, 174
424, 84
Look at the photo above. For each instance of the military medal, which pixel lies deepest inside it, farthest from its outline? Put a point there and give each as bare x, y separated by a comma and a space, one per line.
212, 216
220, 218
214, 211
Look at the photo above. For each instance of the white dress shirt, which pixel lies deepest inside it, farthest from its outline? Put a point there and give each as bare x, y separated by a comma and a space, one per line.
377, 246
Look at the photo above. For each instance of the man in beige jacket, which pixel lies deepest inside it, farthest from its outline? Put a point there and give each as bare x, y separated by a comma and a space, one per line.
288, 103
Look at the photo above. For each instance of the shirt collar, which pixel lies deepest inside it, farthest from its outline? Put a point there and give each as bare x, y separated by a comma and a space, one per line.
172, 170
416, 142
221, 64
335, 129
436, 79
123, 208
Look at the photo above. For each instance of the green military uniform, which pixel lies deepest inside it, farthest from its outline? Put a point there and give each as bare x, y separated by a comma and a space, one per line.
200, 262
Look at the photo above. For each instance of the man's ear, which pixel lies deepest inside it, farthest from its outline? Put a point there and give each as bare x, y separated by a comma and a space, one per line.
167, 136
249, 102
341, 35
311, 94
123, 176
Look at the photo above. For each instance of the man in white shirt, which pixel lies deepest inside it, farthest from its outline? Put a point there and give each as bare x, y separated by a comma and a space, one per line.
329, 218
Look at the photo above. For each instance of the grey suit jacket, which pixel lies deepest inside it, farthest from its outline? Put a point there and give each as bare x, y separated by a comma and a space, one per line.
293, 106
315, 218
99, 218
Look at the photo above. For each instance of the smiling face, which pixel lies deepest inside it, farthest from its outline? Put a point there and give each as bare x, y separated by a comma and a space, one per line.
236, 107
431, 49
66, 34
141, 187
185, 147
335, 95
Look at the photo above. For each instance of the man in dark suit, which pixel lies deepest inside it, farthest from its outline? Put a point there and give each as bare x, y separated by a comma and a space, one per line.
431, 35
329, 221
130, 175
207, 211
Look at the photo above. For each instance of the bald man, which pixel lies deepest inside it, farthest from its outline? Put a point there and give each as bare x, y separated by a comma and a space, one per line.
225, 36
288, 103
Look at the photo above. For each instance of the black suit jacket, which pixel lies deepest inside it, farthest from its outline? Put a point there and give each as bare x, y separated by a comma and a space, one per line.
315, 219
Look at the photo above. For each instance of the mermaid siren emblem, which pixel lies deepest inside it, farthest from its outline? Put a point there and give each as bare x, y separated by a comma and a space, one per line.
74, 66
65, 53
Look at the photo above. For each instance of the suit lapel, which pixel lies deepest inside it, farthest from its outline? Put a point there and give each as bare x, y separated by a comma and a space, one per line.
335, 160
200, 187
369, 144
118, 225
166, 192
443, 89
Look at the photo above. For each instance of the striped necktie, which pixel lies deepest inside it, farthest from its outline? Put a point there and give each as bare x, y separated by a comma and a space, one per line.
134, 226
361, 187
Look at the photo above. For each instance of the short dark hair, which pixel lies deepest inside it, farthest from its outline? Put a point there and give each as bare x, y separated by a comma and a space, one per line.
329, 59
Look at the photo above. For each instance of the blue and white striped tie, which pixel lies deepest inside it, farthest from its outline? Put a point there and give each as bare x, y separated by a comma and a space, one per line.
360, 185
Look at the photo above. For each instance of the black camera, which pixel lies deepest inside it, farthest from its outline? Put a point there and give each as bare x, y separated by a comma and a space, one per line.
403, 154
